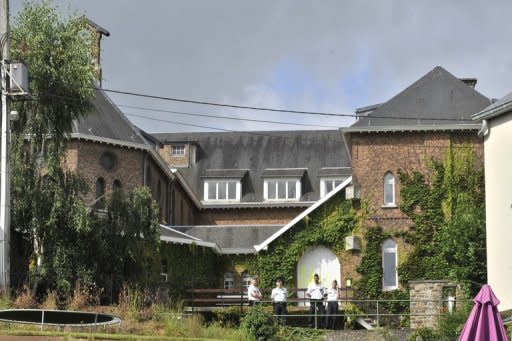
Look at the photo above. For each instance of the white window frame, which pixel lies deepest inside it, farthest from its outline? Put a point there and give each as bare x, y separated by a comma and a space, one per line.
246, 280
178, 150
217, 182
393, 250
390, 176
229, 280
287, 180
324, 181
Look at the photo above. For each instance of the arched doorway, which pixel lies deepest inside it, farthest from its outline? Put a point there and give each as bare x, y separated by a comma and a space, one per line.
320, 260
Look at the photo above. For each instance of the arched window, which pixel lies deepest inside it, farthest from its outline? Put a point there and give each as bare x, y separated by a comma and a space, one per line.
100, 194
116, 186
229, 280
389, 189
389, 265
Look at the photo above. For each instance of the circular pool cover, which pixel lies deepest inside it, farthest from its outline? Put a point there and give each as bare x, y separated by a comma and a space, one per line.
57, 317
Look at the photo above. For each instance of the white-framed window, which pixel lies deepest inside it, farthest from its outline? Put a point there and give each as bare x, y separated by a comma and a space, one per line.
281, 189
222, 190
389, 189
229, 280
389, 265
178, 150
246, 280
328, 184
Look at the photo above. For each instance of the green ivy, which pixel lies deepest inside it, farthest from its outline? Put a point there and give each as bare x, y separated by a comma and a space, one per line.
327, 226
448, 213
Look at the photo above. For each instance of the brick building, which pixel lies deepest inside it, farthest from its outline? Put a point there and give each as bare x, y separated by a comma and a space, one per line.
237, 177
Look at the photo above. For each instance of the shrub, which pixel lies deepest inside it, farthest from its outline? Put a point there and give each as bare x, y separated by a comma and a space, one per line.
426, 334
228, 317
50, 301
259, 325
299, 334
351, 312
451, 324
25, 299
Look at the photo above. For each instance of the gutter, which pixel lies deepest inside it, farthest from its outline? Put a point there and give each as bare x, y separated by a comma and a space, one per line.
484, 129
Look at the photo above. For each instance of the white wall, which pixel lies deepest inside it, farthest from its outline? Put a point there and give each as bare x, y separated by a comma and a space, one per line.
498, 187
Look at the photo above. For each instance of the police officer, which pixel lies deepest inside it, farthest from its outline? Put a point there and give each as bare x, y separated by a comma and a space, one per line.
332, 305
279, 296
253, 293
315, 293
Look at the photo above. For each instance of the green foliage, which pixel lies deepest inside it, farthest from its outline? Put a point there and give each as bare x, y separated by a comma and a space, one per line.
259, 325
370, 268
57, 53
191, 266
227, 317
426, 334
327, 226
448, 212
352, 312
451, 324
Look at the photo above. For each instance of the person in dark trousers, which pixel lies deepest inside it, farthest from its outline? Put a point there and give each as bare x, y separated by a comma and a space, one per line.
332, 305
316, 294
279, 296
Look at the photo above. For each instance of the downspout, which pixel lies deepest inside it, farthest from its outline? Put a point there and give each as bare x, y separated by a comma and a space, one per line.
484, 129
145, 174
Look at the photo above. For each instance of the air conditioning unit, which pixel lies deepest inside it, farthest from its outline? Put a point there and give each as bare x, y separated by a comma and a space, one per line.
352, 243
352, 192
18, 80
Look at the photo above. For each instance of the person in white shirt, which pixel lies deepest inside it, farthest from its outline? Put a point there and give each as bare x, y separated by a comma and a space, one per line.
332, 305
279, 296
253, 292
316, 293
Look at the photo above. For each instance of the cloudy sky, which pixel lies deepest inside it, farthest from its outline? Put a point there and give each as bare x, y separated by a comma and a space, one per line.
311, 55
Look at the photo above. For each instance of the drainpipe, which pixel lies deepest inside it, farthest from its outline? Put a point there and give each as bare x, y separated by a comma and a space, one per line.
144, 171
484, 129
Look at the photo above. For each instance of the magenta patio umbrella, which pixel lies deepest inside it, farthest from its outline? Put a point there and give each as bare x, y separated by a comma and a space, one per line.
484, 323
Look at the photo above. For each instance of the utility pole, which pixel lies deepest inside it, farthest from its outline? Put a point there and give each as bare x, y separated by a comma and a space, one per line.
5, 211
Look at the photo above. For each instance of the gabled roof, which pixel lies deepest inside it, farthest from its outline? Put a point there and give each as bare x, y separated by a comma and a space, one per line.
436, 99
261, 153
496, 109
106, 121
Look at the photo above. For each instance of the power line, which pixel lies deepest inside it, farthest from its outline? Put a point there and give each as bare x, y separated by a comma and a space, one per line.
178, 122
289, 111
224, 117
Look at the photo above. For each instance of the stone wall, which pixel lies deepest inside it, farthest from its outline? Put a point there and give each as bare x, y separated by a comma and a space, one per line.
426, 302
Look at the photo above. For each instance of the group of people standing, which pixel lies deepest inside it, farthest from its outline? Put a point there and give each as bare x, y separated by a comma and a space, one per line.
317, 294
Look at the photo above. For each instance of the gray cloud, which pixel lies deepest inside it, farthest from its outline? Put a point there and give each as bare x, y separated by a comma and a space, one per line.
307, 55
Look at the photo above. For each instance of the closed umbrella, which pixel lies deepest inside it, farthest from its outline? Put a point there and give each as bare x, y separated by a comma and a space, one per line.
484, 323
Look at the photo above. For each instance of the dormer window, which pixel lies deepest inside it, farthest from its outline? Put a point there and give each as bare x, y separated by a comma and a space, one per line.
282, 184
222, 190
329, 184
281, 189
178, 150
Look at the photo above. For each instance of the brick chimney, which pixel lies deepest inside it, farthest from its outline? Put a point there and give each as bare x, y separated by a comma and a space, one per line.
97, 33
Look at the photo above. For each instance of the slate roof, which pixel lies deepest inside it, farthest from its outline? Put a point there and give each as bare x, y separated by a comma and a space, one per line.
106, 121
231, 238
438, 99
259, 153
497, 108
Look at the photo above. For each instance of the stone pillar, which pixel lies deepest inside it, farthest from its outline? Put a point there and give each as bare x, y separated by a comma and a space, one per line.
426, 302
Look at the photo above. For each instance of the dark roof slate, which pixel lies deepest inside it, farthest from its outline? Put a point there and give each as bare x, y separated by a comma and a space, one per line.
241, 237
258, 151
335, 171
225, 173
438, 94
105, 120
497, 108
284, 172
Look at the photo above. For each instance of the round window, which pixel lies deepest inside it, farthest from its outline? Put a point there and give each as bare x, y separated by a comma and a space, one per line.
108, 160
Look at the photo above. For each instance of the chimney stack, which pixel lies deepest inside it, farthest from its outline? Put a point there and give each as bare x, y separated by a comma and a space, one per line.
97, 33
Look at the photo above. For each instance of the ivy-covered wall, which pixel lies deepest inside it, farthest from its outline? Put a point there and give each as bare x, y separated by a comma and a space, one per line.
327, 226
